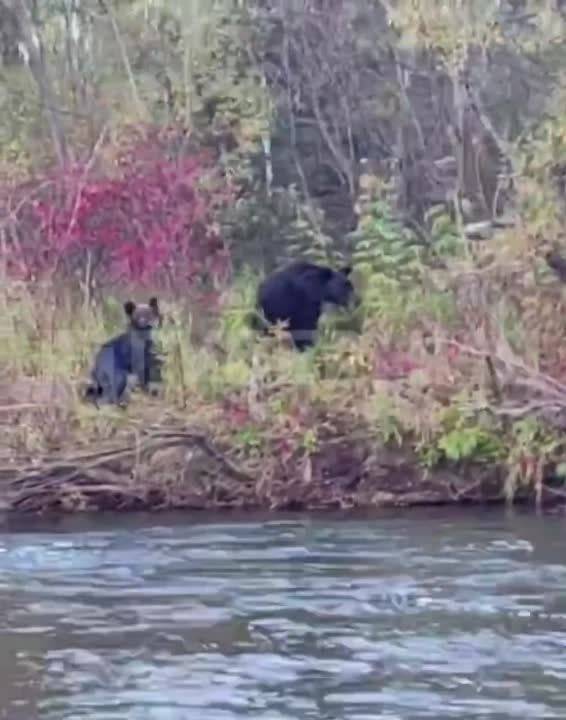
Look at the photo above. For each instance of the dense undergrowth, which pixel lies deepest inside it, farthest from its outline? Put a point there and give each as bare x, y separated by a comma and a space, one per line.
451, 357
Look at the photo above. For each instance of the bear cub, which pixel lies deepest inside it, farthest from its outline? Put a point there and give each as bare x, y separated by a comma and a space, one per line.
131, 353
297, 295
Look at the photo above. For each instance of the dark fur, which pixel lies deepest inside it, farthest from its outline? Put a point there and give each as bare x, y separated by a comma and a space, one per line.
555, 261
297, 295
131, 353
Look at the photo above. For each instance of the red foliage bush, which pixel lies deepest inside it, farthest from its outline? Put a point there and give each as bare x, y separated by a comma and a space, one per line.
149, 220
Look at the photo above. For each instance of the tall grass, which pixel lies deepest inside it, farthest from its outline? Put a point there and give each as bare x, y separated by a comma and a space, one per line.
386, 371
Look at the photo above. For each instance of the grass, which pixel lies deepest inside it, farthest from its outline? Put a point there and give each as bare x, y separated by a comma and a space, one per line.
407, 371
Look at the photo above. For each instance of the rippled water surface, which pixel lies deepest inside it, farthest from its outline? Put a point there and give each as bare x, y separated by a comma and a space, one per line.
407, 616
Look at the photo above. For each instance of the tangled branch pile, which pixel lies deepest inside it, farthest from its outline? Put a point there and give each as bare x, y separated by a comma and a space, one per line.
176, 468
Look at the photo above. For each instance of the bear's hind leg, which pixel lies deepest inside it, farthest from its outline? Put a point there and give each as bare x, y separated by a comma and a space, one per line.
113, 387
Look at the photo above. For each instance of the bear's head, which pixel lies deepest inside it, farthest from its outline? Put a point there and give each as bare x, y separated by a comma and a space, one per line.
338, 288
143, 318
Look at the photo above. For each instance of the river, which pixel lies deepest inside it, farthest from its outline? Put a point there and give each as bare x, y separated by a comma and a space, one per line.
413, 615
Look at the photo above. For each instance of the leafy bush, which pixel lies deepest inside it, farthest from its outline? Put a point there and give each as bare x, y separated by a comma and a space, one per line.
149, 220
382, 245
464, 435
392, 269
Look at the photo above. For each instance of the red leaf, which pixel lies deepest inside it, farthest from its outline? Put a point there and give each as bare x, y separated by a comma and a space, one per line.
151, 216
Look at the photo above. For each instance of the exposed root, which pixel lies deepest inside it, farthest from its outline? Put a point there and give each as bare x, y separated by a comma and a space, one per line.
181, 468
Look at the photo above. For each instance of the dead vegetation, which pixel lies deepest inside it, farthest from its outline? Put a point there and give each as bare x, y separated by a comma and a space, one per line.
173, 467
367, 453
414, 407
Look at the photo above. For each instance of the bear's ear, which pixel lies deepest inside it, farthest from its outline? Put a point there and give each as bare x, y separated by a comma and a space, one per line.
129, 308
153, 304
346, 270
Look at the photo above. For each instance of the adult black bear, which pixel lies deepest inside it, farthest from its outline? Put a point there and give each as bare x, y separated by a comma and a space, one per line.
131, 353
297, 294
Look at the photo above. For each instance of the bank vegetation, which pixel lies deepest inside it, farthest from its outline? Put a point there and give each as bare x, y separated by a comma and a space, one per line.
152, 149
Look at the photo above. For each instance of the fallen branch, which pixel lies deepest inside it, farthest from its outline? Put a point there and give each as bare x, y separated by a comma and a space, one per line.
179, 468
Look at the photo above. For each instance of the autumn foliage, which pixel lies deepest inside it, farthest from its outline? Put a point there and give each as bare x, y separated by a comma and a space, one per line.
146, 217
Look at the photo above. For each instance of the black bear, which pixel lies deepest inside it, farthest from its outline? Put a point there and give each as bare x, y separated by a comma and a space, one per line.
297, 294
131, 353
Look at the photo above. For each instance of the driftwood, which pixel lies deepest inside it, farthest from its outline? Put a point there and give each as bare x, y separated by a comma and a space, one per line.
180, 468
159, 469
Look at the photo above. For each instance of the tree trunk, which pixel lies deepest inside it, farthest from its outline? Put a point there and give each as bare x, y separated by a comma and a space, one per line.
33, 50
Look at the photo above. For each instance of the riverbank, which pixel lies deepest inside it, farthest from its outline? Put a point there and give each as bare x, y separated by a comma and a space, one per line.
185, 171
416, 400
176, 468
158, 462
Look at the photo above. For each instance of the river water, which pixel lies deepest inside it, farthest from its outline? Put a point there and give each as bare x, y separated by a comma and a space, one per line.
415, 615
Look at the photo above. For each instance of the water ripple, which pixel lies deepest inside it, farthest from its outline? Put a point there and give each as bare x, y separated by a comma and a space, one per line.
411, 617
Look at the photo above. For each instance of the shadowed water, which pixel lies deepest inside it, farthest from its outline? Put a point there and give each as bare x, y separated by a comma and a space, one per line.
421, 615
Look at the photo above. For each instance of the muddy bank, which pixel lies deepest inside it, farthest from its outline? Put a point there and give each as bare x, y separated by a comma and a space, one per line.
178, 468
